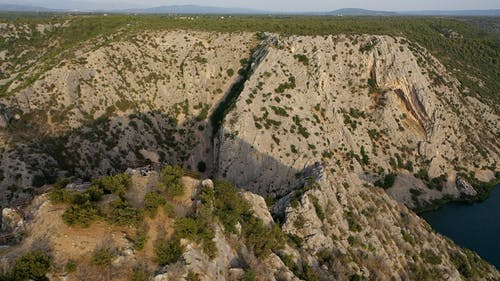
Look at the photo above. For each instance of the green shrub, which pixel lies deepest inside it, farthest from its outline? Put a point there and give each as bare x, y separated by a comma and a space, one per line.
302, 58
70, 266
279, 111
290, 263
261, 239
191, 276
168, 210
61, 183
365, 160
408, 237
285, 86
462, 265
203, 113
355, 277
229, 205
317, 207
120, 212
139, 273
152, 201
95, 193
249, 275
230, 72
81, 215
387, 182
168, 251
117, 184
422, 174
309, 274
31, 266
140, 237
80, 198
196, 230
437, 183
326, 256
102, 256
57, 196
430, 257
171, 180
352, 222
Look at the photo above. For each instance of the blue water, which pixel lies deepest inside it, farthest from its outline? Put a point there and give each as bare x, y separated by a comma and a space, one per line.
476, 227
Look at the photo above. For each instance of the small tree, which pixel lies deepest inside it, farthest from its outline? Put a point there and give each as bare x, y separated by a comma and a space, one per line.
117, 184
31, 266
168, 251
120, 212
81, 215
102, 256
171, 180
152, 201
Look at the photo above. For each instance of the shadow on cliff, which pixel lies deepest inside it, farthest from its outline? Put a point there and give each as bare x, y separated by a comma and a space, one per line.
108, 146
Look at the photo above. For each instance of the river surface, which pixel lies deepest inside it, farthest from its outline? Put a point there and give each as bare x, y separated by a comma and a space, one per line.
476, 227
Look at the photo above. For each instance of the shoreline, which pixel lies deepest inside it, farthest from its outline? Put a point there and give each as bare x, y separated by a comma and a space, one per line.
483, 189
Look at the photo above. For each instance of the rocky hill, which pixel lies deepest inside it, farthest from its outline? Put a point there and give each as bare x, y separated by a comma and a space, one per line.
368, 105
213, 232
376, 106
334, 139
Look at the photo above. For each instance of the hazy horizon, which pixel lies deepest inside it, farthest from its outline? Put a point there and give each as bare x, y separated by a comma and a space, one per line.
277, 5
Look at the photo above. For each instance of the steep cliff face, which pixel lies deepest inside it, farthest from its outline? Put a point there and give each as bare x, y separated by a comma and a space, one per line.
350, 228
375, 105
372, 105
144, 99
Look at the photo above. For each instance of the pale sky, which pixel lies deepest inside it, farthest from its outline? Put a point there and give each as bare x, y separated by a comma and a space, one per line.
272, 5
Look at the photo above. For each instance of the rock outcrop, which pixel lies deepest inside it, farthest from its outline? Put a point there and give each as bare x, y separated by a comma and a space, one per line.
464, 187
372, 111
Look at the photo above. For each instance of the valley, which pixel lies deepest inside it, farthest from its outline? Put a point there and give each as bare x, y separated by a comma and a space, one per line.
331, 132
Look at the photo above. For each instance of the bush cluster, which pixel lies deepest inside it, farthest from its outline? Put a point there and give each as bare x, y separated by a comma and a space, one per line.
168, 250
152, 201
102, 256
31, 266
387, 182
83, 208
171, 181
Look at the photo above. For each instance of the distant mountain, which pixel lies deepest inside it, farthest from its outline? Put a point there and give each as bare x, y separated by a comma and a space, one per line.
194, 9
360, 12
22, 8
477, 13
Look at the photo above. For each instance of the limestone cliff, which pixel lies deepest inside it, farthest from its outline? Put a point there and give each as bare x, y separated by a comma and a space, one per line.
316, 126
370, 105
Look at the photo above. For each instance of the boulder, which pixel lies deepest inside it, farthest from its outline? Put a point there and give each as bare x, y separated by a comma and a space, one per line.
259, 207
208, 183
12, 220
464, 187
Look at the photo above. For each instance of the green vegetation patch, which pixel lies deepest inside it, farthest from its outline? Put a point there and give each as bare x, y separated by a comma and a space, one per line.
171, 181
302, 59
152, 201
31, 266
83, 207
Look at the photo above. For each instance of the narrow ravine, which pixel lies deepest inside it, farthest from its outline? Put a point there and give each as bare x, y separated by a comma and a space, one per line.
228, 102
